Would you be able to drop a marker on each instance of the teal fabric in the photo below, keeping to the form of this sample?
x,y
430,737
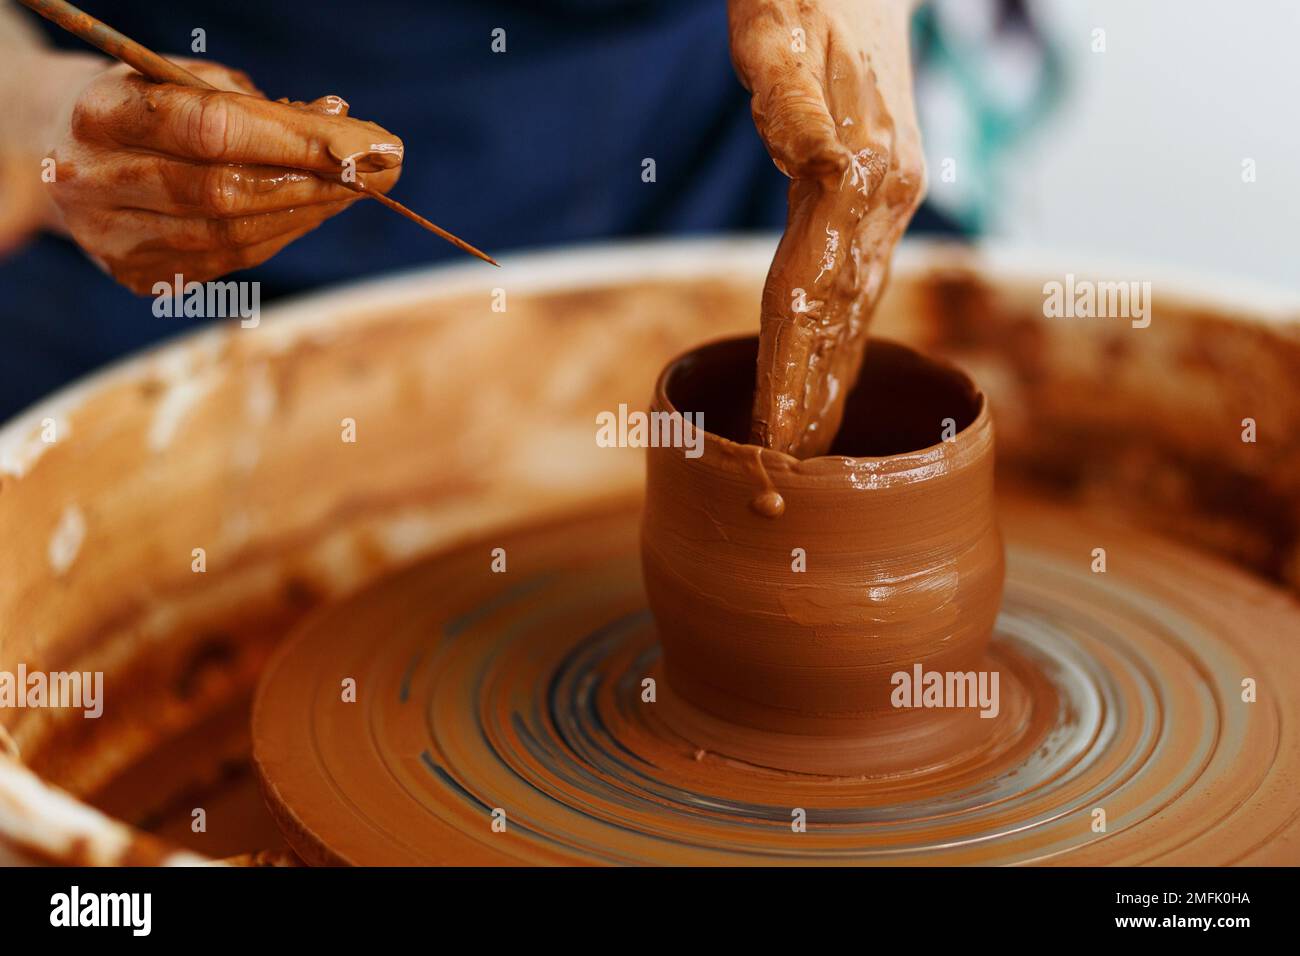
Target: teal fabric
x,y
997,125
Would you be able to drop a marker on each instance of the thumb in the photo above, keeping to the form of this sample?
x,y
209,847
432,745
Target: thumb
x,y
791,116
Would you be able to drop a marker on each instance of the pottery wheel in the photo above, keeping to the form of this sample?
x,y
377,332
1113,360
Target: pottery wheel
x,y
500,718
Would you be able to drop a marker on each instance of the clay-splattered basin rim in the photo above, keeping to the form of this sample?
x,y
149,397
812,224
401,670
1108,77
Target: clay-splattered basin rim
x,y
42,821
919,464
607,264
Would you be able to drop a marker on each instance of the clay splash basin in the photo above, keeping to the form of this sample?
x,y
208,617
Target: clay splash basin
x,y
229,441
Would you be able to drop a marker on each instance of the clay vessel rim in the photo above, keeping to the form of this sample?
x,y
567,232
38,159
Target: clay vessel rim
x,y
967,443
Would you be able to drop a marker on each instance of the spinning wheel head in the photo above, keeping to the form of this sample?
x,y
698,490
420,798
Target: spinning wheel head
x,y
508,718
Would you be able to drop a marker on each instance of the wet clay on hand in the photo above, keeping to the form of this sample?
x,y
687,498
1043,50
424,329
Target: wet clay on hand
x,y
155,180
832,100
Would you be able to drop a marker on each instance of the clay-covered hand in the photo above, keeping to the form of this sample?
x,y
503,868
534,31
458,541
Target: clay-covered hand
x,y
153,179
832,100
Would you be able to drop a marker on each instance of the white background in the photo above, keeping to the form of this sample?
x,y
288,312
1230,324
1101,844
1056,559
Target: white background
x,y
1142,161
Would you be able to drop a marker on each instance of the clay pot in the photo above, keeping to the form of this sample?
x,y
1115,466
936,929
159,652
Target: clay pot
x,y
886,554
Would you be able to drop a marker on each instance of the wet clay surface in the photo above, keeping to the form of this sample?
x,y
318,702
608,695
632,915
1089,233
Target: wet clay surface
x,y
206,769
157,180
790,620
524,693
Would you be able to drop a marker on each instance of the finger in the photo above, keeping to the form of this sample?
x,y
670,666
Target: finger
x,y
331,105
141,271
218,191
222,77
798,129
217,126
784,70
182,234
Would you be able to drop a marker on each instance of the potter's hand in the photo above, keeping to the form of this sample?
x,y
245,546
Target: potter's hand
x,y
832,100
155,179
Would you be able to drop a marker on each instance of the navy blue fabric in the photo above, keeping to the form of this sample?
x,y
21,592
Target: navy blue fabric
x,y
540,145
